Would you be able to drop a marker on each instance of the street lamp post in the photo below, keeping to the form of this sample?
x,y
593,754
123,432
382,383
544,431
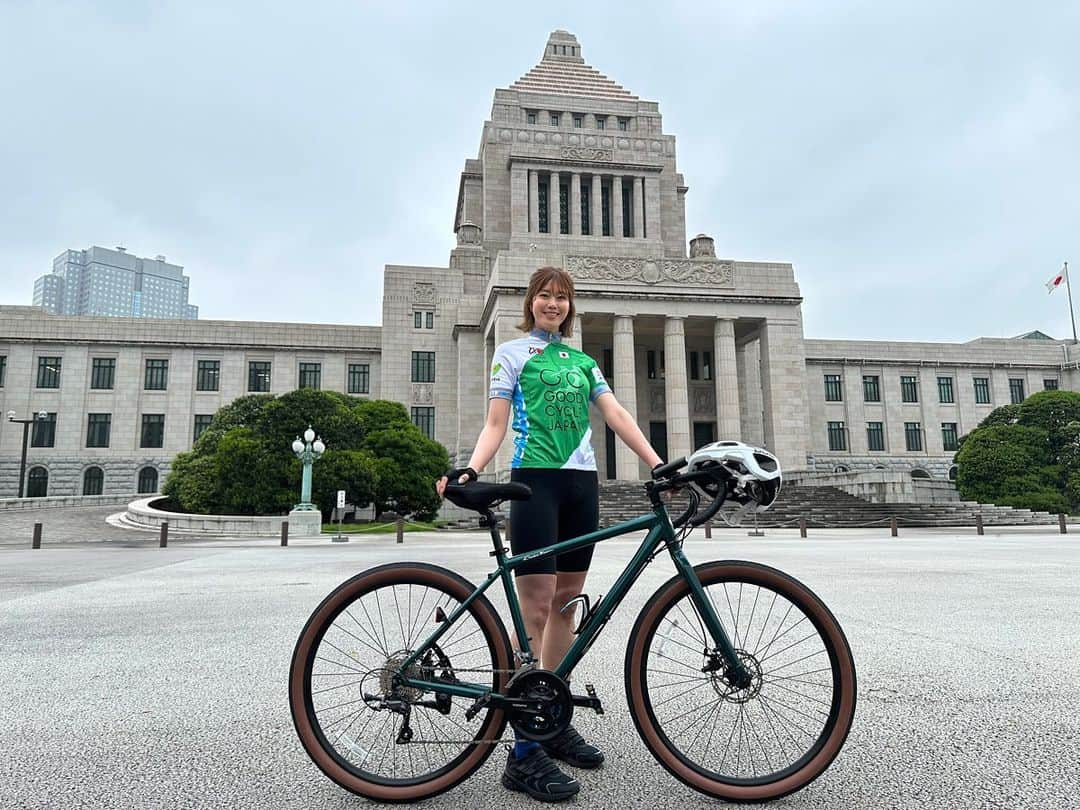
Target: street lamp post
x,y
26,423
308,451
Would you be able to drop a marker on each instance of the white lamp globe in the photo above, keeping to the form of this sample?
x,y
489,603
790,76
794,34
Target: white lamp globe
x,y
10,415
43,415
319,447
298,446
309,435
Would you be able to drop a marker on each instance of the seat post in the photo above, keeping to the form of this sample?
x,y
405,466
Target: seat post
x,y
496,537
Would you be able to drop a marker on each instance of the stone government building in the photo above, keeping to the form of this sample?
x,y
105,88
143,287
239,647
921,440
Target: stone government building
x,y
573,170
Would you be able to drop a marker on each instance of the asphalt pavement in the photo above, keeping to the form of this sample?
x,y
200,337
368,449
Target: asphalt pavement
x,y
141,677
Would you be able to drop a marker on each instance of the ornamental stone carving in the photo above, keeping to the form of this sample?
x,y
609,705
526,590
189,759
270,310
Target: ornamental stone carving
x,y
656,401
423,293
703,401
702,246
585,153
423,394
683,272
468,234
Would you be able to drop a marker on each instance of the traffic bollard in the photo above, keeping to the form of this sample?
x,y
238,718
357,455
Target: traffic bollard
x,y
802,527
892,525
284,532
401,530
1061,522
978,523
37,536
708,530
164,534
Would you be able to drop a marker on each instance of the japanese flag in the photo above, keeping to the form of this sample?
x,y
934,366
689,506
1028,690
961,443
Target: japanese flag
x,y
1053,283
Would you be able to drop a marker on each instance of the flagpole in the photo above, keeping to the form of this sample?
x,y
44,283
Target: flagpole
x,y
1068,289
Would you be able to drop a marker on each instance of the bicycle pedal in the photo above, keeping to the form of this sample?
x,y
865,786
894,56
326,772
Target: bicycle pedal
x,y
589,700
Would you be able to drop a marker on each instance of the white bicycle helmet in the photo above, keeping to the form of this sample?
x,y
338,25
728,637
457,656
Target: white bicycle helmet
x,y
756,472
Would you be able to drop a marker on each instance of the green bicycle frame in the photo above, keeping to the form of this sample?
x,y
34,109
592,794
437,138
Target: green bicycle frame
x,y
660,532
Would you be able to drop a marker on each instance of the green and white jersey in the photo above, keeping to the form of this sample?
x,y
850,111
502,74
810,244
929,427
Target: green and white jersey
x,y
550,385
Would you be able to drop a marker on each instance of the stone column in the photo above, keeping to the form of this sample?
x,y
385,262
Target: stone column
x,y
652,208
675,388
519,200
726,375
625,388
575,339
575,204
596,221
472,392
553,203
616,207
638,198
534,202
783,391
499,468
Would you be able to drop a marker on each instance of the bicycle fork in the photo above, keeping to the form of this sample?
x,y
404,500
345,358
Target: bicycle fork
x,y
723,656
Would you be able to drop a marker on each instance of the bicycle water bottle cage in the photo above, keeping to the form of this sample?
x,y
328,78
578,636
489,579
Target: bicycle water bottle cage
x,y
586,614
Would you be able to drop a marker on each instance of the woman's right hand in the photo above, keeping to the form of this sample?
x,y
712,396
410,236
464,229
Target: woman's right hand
x,y
463,476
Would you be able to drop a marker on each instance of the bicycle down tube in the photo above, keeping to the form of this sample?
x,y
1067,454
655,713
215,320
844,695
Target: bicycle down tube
x,y
659,532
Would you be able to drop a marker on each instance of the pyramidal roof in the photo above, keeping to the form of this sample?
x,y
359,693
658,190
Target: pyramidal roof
x,y
562,71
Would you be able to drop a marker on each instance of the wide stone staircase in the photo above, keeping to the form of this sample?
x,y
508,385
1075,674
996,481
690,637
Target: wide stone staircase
x,y
823,506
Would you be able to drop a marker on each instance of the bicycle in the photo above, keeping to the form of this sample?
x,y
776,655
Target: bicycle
x,y
403,679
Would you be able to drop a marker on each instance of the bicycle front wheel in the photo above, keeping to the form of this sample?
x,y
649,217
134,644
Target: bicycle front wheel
x,y
366,731
766,740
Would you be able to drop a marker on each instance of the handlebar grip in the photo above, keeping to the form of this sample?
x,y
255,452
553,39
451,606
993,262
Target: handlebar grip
x,y
666,470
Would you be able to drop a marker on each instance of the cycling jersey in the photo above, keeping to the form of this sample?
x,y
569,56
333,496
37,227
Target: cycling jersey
x,y
550,385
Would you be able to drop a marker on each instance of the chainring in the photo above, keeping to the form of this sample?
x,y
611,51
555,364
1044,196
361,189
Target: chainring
x,y
549,708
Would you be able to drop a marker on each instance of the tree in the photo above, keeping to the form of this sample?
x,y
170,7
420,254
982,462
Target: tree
x,y
243,463
1025,454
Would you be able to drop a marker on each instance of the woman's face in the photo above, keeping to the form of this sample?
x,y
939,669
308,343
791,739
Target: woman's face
x,y
550,307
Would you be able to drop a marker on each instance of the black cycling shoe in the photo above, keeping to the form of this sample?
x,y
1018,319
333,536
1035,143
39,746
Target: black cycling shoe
x,y
572,749
538,776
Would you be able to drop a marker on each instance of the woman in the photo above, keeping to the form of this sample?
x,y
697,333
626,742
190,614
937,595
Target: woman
x,y
550,385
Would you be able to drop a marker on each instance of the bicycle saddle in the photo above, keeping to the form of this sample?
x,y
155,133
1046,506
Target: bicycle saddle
x,y
480,496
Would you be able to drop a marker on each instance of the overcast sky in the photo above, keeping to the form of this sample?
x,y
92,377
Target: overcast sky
x,y
917,162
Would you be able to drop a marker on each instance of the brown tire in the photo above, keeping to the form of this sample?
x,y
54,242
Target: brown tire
x,y
787,726
345,656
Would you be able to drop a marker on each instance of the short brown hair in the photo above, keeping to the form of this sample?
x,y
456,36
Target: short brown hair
x,y
562,282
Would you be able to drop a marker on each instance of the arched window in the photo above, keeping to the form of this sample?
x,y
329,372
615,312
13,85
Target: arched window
x,y
147,480
38,485
880,467
952,472
841,468
93,481
918,472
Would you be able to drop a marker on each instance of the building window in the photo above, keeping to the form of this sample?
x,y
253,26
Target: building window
x,y
148,478
579,120
695,373
627,212
837,437
38,485
103,373
424,418
1048,385
605,209
553,119
93,481
833,392
586,208
417,320
706,370
3,368
945,390
209,375
310,375
44,433
982,390
359,374
423,366
530,117
98,426
1016,390
48,372
913,435
542,201
607,363
202,422
258,377
948,436
564,207
601,121
875,436
157,375
871,388
624,124
909,389
153,430
655,372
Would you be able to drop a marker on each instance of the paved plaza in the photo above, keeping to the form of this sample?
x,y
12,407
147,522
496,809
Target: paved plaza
x,y
143,677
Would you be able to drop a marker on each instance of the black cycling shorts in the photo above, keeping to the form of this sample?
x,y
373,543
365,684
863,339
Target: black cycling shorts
x,y
565,504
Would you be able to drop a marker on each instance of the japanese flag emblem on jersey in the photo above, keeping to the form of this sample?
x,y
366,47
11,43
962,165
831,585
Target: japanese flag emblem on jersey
x,y
564,355
597,375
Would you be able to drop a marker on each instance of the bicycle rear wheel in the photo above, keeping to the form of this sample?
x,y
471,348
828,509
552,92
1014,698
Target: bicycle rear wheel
x,y
341,683
757,743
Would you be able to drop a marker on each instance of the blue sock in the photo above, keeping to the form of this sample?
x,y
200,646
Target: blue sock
x,y
522,748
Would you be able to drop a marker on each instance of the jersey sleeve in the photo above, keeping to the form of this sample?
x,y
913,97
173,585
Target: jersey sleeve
x,y
597,384
504,374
